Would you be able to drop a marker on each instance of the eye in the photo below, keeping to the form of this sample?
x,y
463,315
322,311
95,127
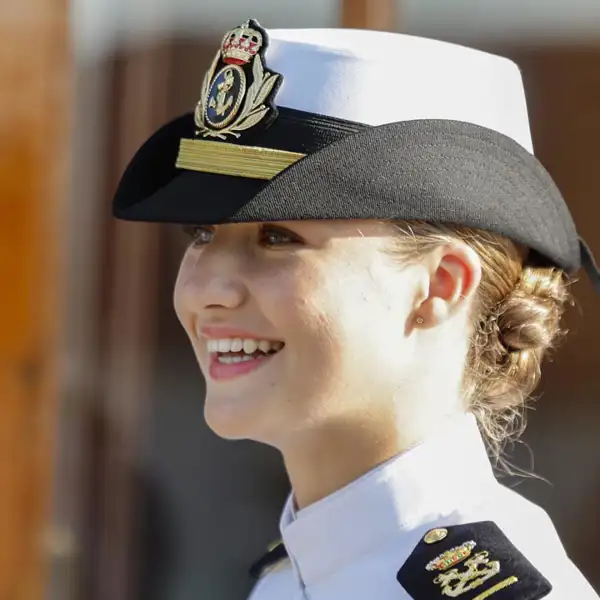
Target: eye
x,y
200,234
272,235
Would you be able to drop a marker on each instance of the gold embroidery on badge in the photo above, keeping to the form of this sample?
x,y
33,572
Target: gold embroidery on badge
x,y
451,557
477,571
224,103
467,573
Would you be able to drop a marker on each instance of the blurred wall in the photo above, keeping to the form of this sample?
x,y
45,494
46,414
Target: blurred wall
x,y
99,26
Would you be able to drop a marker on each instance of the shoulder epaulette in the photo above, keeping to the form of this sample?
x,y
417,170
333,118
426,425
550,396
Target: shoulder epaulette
x,y
473,561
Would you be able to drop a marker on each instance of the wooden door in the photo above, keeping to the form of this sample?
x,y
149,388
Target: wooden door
x,y
369,14
34,158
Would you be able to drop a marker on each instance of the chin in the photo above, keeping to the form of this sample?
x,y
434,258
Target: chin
x,y
232,419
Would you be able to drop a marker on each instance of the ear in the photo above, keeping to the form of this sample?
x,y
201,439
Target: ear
x,y
454,276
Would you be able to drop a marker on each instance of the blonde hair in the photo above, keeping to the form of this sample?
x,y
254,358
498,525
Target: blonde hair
x,y
516,320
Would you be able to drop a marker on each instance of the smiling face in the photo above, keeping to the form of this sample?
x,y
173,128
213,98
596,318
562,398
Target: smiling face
x,y
296,326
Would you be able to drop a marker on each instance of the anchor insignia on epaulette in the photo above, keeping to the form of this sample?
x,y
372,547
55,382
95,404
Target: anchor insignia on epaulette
x,y
475,570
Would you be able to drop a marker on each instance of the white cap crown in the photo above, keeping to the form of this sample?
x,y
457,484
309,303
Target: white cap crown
x,y
375,78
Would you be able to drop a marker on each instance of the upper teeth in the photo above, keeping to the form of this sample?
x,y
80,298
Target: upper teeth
x,y
248,346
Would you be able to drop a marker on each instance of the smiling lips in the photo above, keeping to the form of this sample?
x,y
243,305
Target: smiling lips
x,y
234,356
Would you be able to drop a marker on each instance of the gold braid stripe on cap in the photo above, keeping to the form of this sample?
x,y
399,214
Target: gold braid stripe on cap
x,y
230,159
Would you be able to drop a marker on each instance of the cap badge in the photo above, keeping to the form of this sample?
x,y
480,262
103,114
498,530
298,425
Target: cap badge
x,y
238,90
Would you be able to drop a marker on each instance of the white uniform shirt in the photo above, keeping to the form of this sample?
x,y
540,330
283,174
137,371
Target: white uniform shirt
x,y
352,544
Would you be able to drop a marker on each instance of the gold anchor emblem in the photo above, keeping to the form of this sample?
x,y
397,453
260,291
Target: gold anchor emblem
x,y
223,101
475,571
479,569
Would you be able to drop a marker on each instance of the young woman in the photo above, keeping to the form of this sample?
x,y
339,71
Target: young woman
x,y
377,267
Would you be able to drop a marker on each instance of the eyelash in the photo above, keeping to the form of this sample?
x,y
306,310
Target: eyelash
x,y
195,232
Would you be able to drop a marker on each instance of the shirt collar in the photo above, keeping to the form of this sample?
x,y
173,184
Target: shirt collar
x,y
416,487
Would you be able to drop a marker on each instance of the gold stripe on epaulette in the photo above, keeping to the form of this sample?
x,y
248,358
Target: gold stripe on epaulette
x,y
496,588
223,158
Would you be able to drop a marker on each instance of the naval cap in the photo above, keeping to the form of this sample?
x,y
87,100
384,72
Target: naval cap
x,y
350,124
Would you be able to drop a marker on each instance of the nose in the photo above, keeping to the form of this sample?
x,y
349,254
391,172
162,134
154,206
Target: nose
x,y
210,286
213,293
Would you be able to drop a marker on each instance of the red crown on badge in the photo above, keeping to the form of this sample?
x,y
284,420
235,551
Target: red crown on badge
x,y
450,557
241,44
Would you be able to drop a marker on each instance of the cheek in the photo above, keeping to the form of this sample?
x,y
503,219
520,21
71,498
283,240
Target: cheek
x,y
289,294
179,291
295,298
370,309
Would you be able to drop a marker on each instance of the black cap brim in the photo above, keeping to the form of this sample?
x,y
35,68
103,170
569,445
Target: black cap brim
x,y
430,170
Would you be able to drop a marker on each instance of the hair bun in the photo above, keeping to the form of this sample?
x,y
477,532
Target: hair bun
x,y
523,327
529,318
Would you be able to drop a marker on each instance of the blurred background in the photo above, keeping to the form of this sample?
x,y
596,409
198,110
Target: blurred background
x,y
111,486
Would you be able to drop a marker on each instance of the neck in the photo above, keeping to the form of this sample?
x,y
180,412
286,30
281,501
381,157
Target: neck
x,y
330,458
326,458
